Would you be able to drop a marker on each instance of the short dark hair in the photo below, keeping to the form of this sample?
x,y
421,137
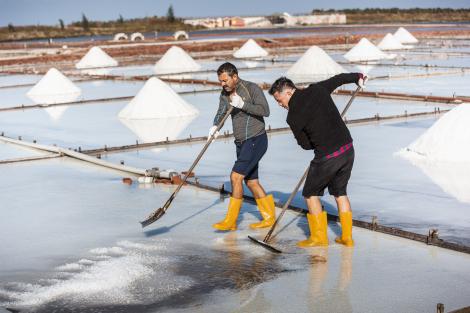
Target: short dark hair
x,y
228,68
280,84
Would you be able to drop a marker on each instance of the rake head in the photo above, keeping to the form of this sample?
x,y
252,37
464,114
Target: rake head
x,y
265,245
153,217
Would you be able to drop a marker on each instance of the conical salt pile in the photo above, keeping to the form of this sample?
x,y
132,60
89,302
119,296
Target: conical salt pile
x,y
94,58
176,60
389,42
447,140
54,87
157,100
364,50
314,65
405,36
250,49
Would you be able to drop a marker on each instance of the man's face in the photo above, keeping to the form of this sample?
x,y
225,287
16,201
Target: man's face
x,y
228,82
283,97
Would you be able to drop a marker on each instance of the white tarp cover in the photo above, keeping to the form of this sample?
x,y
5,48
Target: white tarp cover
x,y
176,60
365,50
250,49
96,57
156,99
314,65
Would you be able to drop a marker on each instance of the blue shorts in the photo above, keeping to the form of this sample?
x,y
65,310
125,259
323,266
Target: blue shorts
x,y
249,153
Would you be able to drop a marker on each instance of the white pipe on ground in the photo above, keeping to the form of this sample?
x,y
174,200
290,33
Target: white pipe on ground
x,y
75,155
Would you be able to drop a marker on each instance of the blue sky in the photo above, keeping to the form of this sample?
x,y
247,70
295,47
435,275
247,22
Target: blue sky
x,y
30,12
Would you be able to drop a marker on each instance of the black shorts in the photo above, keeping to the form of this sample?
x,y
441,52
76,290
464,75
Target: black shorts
x,y
333,173
249,153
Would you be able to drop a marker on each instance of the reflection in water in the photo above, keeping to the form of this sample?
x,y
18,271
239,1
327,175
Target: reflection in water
x,y
55,112
159,129
365,68
337,299
251,63
452,178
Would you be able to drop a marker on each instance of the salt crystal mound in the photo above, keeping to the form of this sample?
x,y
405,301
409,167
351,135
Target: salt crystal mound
x,y
174,61
389,42
54,87
156,99
95,58
250,49
405,36
365,50
447,140
314,65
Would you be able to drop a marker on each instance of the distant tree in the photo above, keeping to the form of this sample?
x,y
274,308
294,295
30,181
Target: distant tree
x,y
170,15
120,19
85,23
61,23
11,28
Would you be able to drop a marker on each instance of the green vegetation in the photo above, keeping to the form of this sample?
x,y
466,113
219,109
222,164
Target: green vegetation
x,y
396,15
170,15
89,27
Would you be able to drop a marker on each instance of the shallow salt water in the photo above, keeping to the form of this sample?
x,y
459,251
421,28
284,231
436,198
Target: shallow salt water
x,y
72,242
96,124
95,257
382,184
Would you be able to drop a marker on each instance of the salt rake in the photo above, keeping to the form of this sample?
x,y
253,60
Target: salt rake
x,y
265,242
160,211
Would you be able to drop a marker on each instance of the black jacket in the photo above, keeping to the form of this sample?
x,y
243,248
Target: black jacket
x,y
314,118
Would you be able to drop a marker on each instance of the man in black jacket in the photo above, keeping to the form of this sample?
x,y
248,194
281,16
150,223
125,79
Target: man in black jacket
x,y
317,125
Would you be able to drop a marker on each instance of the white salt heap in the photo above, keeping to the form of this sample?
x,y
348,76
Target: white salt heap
x,y
156,100
96,58
448,140
442,153
314,65
54,87
176,60
389,42
250,49
365,50
404,36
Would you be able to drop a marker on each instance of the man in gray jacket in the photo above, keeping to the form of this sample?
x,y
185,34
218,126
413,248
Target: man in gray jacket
x,y
249,108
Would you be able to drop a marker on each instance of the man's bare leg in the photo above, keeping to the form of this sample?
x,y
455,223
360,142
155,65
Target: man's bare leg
x,y
314,205
343,204
237,185
255,188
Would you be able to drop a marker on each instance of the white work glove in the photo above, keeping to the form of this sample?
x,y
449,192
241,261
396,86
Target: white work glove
x,y
362,80
236,101
212,131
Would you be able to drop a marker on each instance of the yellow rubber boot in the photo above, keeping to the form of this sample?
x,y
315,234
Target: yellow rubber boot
x,y
268,212
345,218
230,221
317,224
